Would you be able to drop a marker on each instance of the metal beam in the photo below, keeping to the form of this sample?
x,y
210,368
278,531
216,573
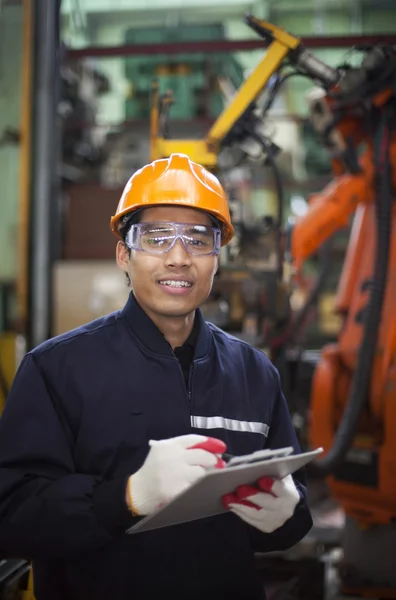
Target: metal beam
x,y
342,41
106,7
44,155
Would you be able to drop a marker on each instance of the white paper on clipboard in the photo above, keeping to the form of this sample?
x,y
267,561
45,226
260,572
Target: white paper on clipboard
x,y
203,499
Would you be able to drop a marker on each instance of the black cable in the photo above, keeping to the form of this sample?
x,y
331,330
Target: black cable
x,y
360,384
367,89
272,93
279,81
268,149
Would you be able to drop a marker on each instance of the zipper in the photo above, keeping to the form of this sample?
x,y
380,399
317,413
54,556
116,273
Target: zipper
x,y
188,387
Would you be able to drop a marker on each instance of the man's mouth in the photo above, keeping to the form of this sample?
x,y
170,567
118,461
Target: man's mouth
x,y
175,283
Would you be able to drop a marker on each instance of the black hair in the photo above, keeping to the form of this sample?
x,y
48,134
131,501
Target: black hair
x,y
126,223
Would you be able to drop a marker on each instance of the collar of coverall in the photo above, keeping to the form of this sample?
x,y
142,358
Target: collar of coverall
x,y
152,338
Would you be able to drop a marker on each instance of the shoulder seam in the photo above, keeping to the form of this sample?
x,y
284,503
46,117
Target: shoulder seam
x,y
75,335
232,338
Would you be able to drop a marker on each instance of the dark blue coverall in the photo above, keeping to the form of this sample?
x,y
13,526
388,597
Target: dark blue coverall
x,y
77,423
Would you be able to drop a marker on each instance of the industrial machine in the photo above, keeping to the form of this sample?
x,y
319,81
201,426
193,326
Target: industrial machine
x,y
238,133
353,395
353,398
191,77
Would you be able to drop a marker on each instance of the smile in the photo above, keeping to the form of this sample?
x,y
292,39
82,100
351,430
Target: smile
x,y
176,284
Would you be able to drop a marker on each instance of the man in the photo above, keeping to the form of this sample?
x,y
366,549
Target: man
x,y
108,422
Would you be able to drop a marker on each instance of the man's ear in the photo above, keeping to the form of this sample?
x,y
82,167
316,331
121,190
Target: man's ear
x,y
217,265
122,256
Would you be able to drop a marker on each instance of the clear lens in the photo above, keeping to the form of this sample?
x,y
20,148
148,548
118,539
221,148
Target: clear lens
x,y
156,238
199,239
160,237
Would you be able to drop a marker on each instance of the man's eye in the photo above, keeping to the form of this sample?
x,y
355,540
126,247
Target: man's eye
x,y
157,241
197,241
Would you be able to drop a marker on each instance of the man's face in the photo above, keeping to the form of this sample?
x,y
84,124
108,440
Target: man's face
x,y
148,272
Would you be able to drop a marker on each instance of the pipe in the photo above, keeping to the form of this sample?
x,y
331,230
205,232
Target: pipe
x,y
210,46
25,169
44,165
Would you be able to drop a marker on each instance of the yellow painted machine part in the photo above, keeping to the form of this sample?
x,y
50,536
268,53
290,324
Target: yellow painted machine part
x,y
25,169
7,362
249,91
8,339
285,38
28,593
196,149
205,151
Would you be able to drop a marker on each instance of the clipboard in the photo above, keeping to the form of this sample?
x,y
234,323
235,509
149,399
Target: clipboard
x,y
203,499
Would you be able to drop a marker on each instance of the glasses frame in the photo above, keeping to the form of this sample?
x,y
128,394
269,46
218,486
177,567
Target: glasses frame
x,y
179,235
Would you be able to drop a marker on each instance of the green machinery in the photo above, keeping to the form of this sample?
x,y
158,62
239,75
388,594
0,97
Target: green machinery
x,y
191,77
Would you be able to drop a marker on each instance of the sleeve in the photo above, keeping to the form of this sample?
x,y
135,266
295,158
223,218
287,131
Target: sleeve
x,y
281,435
47,509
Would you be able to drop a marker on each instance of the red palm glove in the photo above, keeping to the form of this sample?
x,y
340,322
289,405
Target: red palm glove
x,y
266,507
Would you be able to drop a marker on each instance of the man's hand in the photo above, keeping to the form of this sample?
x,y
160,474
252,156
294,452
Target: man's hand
x,y
266,507
170,468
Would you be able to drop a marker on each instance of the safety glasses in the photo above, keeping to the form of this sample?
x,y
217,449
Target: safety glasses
x,y
159,238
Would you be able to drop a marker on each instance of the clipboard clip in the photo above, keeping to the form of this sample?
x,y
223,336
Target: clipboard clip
x,y
247,459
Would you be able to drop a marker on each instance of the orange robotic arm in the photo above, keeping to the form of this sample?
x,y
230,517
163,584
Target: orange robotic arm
x,y
331,209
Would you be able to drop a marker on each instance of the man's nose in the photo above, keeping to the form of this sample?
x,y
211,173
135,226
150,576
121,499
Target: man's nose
x,y
178,255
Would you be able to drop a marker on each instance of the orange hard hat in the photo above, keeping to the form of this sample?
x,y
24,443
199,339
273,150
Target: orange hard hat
x,y
174,181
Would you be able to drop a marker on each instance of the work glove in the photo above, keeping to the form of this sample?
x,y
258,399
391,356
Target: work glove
x,y
171,466
267,506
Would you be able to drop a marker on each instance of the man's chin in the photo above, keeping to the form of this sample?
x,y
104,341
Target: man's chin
x,y
176,313
177,307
